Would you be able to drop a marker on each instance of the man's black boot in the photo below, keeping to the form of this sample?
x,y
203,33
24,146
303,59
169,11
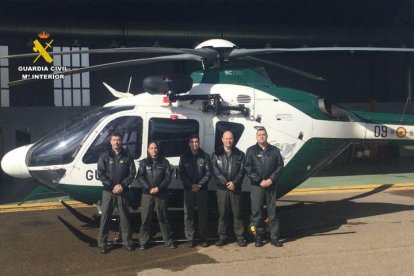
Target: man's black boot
x,y
258,242
276,243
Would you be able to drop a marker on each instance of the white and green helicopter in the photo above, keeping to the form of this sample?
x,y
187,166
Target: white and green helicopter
x,y
224,95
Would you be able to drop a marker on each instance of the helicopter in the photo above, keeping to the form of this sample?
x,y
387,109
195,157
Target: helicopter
x,y
226,94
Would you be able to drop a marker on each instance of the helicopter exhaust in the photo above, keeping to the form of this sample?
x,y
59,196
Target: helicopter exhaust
x,y
175,84
333,110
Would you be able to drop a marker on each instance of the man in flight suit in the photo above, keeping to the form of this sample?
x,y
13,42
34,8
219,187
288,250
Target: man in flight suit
x,y
195,172
116,170
154,175
264,165
228,172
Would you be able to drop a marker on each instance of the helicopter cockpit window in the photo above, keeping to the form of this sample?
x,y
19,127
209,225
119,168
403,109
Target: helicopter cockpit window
x,y
62,145
130,127
172,135
221,127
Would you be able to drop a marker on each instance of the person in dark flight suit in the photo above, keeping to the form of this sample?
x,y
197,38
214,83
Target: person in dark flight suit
x,y
195,172
228,173
116,170
154,175
263,166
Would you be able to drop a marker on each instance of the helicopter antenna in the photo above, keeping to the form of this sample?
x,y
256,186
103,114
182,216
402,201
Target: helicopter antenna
x,y
408,92
129,85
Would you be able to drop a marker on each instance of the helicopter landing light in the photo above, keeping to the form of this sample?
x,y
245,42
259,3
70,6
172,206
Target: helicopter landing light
x,y
165,100
174,117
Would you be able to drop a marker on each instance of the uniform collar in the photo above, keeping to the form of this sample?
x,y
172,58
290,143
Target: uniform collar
x,y
121,151
262,149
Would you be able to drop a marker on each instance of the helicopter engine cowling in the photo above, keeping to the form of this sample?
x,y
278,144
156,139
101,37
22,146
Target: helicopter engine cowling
x,y
175,84
333,110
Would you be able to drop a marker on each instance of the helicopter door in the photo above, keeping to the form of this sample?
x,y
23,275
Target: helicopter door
x,y
171,132
130,127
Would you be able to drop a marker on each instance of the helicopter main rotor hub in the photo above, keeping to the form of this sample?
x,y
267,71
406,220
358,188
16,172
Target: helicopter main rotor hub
x,y
216,43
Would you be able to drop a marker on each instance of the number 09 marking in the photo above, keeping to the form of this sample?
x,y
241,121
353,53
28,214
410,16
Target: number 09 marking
x,y
380,131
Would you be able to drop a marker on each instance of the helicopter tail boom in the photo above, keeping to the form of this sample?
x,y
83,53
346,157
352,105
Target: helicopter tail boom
x,y
387,126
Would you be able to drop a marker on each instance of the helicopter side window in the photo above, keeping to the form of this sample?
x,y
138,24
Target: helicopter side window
x,y
172,135
221,127
130,128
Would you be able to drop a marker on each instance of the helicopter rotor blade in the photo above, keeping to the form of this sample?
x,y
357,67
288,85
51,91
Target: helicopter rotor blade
x,y
236,53
123,63
284,67
137,50
187,57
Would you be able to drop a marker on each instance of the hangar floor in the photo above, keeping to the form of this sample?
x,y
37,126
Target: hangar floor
x,y
341,233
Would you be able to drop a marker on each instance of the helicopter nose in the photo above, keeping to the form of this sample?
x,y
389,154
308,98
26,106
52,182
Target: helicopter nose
x,y
14,162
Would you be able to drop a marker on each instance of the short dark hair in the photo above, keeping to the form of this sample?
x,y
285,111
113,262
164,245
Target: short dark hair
x,y
116,134
261,129
193,136
153,142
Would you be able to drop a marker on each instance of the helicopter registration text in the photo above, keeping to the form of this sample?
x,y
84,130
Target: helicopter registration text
x,y
380,131
391,131
90,175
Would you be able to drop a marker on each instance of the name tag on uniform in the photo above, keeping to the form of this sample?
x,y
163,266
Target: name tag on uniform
x,y
111,162
259,155
121,161
148,167
219,161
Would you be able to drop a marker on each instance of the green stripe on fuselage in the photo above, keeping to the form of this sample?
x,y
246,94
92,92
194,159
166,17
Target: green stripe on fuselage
x,y
83,193
313,156
385,118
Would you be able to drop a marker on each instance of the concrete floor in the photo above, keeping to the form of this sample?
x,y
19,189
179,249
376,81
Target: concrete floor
x,y
359,233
